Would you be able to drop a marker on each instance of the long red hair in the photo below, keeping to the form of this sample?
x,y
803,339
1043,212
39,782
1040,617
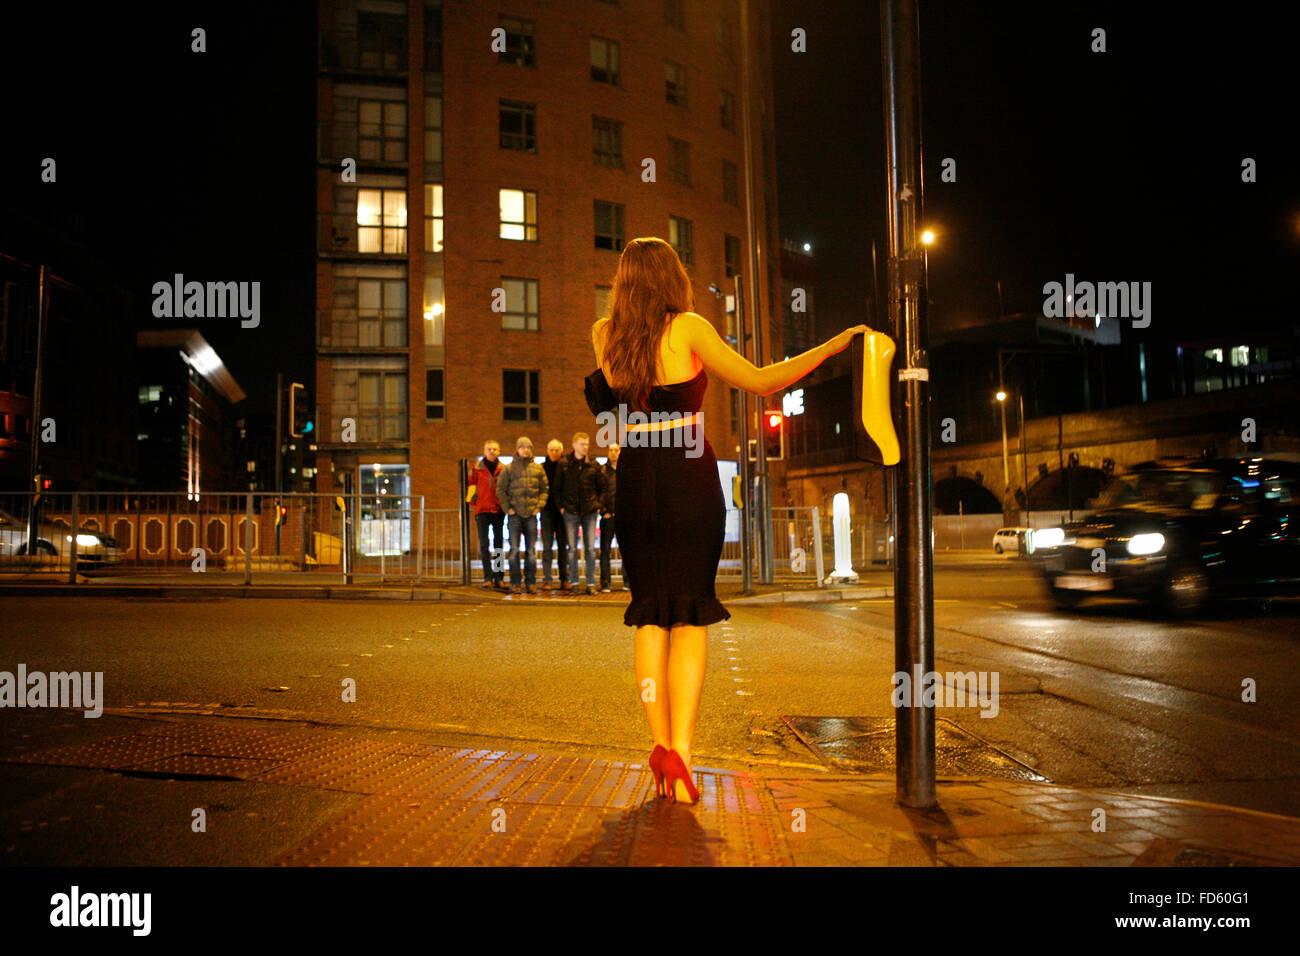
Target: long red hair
x,y
650,287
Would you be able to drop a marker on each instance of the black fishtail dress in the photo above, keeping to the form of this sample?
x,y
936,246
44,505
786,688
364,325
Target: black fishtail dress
x,y
671,514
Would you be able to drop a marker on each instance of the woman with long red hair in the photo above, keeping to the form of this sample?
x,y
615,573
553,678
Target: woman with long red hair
x,y
652,352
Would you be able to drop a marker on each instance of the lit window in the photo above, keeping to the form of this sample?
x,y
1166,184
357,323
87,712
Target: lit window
x,y
433,217
381,221
518,214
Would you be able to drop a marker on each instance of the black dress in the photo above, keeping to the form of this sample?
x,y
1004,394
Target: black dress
x,y
670,512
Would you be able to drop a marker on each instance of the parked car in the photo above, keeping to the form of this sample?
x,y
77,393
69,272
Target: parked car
x,y
94,548
1016,540
1180,531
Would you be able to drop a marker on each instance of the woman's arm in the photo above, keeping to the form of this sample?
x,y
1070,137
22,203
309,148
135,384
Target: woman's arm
x,y
734,368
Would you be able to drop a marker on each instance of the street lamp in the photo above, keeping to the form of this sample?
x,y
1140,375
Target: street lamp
x,y
1006,470
1001,396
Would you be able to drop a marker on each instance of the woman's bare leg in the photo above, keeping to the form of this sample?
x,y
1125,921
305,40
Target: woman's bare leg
x,y
687,654
651,664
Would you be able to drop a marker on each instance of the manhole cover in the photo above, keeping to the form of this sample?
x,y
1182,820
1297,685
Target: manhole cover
x,y
866,745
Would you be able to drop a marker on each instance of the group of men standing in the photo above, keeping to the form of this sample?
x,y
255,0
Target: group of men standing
x,y
569,493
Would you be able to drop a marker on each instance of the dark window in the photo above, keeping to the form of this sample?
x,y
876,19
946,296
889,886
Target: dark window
x,y
381,130
521,393
604,60
607,142
679,161
519,126
680,238
730,183
731,255
609,225
675,80
381,42
727,38
435,405
728,111
520,42
433,39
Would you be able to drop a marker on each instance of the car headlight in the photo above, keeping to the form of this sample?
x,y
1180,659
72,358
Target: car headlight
x,y
1048,537
87,540
1146,543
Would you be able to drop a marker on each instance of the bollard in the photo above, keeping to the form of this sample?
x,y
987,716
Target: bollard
x,y
843,573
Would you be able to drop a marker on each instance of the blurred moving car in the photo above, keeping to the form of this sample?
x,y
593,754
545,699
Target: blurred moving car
x,y
1016,540
94,548
1180,531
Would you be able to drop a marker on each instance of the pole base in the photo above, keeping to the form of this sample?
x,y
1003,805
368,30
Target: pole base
x,y
850,578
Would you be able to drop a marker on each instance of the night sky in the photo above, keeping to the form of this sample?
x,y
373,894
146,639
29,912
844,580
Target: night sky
x,y
1122,166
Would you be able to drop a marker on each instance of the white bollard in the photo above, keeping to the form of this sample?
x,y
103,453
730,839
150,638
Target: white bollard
x,y
843,573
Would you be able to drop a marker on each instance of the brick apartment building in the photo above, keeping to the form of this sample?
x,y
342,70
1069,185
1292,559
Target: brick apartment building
x,y
502,147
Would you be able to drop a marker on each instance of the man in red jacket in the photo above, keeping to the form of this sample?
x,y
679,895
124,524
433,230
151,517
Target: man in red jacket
x,y
488,515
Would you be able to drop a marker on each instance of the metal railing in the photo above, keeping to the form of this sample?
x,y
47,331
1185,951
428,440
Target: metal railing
x,y
241,537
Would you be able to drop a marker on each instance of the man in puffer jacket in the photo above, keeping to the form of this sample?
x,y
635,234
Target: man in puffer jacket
x,y
579,485
522,489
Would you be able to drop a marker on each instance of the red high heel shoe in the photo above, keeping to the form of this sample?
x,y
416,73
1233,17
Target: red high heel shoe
x,y
657,768
675,769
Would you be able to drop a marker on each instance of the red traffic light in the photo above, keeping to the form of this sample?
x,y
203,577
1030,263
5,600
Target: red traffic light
x,y
773,419
46,483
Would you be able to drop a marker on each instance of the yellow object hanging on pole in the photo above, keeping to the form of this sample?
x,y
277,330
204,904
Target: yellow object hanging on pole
x,y
877,419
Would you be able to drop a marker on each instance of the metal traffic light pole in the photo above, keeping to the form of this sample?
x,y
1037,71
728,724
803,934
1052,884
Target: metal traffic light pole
x,y
914,570
746,499
34,429
763,503
279,464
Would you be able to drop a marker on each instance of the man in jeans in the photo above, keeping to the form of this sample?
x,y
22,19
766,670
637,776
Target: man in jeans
x,y
489,516
523,490
579,485
553,521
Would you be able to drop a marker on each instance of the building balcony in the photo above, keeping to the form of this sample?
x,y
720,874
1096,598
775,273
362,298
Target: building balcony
x,y
344,331
338,141
339,234
344,53
375,425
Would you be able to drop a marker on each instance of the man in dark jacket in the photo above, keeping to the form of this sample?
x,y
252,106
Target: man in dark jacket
x,y
610,471
523,490
488,515
553,521
579,485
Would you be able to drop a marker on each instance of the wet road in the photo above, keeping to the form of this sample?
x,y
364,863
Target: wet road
x,y
1107,696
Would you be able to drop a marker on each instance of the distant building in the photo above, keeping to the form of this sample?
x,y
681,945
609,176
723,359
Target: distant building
x,y
186,397
87,430
798,285
461,268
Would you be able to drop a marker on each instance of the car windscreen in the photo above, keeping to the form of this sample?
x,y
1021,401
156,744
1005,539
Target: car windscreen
x,y
1190,490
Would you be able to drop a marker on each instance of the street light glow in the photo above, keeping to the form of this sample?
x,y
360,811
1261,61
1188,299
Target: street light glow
x,y
1002,396
927,237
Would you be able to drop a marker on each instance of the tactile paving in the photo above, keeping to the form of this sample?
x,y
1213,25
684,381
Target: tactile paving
x,y
431,806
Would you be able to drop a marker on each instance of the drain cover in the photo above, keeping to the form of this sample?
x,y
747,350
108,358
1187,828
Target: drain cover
x,y
866,745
